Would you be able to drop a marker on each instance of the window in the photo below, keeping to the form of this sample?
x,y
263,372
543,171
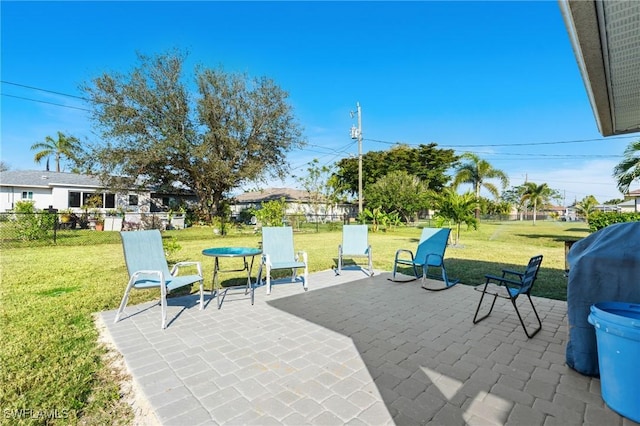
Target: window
x,y
74,199
85,198
133,200
109,201
27,195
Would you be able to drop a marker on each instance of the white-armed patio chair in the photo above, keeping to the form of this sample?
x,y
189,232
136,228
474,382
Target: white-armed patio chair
x,y
278,253
355,243
147,266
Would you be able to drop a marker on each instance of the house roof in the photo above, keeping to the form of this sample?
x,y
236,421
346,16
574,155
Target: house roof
x,y
270,194
606,41
635,193
44,179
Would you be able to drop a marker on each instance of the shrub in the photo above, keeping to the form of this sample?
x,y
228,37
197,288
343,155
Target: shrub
x,y
599,220
271,212
30,224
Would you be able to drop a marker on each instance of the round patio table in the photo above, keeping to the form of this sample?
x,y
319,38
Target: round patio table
x,y
232,252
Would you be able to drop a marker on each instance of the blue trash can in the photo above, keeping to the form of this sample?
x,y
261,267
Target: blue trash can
x,y
617,327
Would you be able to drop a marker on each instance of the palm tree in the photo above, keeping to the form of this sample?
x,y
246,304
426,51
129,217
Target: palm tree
x,y
628,169
457,208
587,206
64,146
476,171
536,195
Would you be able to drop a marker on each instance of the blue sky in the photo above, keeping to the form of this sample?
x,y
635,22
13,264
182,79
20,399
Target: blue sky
x,y
495,78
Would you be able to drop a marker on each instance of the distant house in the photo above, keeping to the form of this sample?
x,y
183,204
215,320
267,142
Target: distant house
x,y
632,204
63,191
297,202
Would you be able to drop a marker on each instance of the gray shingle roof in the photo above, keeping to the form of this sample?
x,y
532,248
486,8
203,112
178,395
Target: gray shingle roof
x,y
39,178
269,194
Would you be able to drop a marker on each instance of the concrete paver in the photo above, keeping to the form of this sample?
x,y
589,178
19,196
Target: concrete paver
x,y
353,350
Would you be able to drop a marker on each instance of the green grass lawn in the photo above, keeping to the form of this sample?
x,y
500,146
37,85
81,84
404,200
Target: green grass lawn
x,y
50,358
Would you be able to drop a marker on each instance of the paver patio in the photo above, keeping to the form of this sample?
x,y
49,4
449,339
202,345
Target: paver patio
x,y
353,350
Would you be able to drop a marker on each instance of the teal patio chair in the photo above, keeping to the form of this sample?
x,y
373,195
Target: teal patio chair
x,y
429,254
355,243
278,253
147,266
509,286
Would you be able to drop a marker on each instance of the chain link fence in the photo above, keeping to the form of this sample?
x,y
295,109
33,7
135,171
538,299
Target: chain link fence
x,y
19,229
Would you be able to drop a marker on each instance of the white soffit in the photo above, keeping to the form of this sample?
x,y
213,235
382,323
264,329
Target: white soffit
x,y
606,40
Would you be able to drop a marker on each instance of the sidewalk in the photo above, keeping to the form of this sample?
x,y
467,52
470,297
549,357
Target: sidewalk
x,y
353,350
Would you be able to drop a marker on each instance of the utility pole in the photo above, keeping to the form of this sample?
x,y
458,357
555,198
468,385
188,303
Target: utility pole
x,y
356,133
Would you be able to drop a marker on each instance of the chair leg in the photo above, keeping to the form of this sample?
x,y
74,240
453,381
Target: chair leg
x,y
529,335
475,317
415,270
305,277
339,260
201,294
163,303
123,303
268,278
370,265
445,278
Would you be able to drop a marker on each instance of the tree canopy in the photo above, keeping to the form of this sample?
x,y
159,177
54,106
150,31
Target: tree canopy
x,y
477,172
537,196
400,192
426,162
210,136
628,170
457,208
587,206
63,148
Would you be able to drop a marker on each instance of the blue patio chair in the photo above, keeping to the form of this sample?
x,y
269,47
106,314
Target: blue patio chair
x,y
355,243
509,286
278,253
147,266
429,254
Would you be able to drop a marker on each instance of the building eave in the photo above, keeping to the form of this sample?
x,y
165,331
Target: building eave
x,y
604,36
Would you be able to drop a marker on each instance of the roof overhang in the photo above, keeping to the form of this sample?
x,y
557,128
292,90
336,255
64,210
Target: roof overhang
x,y
606,40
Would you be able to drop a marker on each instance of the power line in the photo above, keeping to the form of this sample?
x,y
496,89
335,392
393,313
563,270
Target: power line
x,y
44,90
45,102
504,144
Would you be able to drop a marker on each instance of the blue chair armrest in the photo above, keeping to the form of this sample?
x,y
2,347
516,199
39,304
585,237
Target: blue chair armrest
x,y
503,280
406,261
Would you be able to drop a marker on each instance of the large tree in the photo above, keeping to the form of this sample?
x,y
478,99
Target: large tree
x,y
477,172
426,162
64,147
628,169
221,132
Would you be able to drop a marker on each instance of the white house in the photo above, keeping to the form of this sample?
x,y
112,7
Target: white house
x,y
297,202
63,191
632,204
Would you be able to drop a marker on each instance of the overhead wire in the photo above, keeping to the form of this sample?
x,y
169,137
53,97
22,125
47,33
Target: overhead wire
x,y
456,147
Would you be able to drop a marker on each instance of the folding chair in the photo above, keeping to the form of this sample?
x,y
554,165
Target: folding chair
x,y
147,266
429,254
511,288
355,243
278,253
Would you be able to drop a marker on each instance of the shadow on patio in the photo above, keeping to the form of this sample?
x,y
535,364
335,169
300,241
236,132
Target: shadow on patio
x,y
431,364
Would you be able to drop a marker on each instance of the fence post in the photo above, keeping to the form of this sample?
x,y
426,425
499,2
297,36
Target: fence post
x,y
51,210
